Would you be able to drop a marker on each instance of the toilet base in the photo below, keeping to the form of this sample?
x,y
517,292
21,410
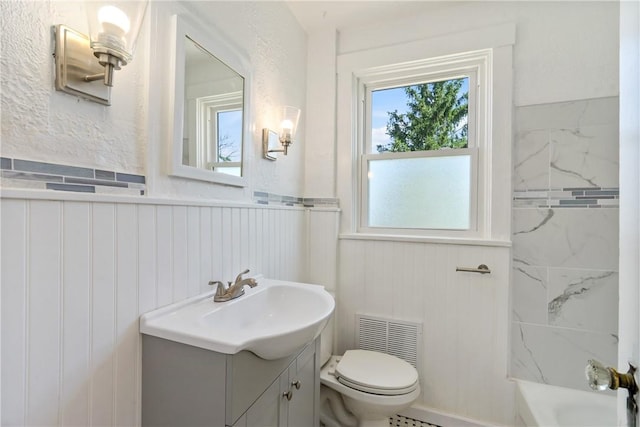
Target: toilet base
x,y
353,407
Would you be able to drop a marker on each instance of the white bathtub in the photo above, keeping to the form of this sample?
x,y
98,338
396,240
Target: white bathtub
x,y
550,406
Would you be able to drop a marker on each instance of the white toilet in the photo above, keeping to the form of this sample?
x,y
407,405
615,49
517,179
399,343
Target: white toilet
x,y
363,388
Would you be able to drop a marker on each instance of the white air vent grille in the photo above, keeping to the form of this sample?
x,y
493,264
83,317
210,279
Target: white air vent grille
x,y
396,337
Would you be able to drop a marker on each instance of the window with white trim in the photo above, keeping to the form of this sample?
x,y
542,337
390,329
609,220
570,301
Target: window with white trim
x,y
422,143
219,124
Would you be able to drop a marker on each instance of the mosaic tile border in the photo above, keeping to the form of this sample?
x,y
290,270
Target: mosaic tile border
x,y
60,177
264,198
575,197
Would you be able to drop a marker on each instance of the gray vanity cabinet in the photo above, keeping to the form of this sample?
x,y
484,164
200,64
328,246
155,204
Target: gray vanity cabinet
x,y
185,385
290,400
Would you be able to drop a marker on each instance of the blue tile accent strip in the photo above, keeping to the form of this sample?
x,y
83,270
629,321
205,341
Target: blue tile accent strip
x,y
69,187
126,177
71,178
100,174
96,182
52,169
588,197
30,176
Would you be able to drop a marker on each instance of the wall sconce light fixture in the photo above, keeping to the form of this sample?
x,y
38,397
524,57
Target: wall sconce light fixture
x,y
289,118
85,64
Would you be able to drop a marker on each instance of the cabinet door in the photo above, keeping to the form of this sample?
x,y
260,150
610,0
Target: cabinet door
x,y
302,380
264,412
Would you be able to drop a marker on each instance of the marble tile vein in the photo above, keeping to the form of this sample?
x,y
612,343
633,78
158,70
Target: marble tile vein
x,y
546,219
533,358
575,174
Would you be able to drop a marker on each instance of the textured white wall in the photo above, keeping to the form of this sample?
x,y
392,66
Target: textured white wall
x,y
39,123
131,136
275,46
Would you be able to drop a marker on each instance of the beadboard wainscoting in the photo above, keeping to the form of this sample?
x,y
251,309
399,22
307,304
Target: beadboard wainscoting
x,y
465,317
77,274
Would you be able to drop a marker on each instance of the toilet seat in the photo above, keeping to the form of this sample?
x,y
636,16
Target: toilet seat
x,y
376,373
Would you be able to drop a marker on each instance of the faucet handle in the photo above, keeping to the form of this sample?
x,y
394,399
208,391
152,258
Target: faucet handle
x,y
221,289
239,276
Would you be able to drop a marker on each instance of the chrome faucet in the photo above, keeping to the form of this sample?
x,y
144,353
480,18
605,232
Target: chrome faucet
x,y
232,291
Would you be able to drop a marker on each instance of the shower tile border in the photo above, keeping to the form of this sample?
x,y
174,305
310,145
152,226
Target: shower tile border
x,y
64,177
570,197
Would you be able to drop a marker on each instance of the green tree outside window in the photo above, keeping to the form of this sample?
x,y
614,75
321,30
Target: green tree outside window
x,y
436,118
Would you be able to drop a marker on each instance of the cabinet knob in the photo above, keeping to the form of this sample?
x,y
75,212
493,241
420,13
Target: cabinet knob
x,y
287,394
296,384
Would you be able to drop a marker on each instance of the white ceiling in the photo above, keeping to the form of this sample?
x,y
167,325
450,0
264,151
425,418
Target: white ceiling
x,y
314,15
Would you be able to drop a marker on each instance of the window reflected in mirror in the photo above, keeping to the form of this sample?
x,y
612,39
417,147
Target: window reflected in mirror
x,y
213,113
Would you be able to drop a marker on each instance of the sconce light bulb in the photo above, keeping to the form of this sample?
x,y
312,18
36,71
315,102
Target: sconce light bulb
x,y
287,125
114,21
287,129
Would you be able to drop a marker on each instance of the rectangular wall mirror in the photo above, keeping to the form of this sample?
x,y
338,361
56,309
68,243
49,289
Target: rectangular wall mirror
x,y
210,108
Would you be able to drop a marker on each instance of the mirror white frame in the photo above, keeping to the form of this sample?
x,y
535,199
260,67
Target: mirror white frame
x,y
217,45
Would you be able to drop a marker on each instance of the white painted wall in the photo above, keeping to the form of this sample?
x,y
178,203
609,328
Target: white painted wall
x,y
132,135
320,145
563,50
629,320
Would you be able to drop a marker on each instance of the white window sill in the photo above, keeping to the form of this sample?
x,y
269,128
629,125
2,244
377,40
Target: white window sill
x,y
426,239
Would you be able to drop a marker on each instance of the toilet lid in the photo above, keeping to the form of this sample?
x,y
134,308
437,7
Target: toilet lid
x,y
378,373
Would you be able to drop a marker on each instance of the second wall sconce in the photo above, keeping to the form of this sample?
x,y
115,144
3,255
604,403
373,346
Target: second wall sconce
x,y
289,118
85,64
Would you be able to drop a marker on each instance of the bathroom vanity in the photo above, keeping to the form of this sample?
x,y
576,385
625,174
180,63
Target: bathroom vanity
x,y
186,385
251,361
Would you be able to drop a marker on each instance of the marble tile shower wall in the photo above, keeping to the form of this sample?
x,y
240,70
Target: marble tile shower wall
x,y
565,240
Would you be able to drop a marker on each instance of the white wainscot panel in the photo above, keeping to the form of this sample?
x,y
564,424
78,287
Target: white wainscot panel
x,y
465,317
103,312
76,276
44,316
76,301
13,280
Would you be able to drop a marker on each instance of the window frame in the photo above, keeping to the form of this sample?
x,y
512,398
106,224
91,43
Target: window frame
x,y
474,65
207,110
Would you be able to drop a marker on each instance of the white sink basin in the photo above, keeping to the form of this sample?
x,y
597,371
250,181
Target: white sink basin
x,y
272,320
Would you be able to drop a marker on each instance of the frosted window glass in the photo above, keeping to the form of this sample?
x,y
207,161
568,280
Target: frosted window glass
x,y
427,192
